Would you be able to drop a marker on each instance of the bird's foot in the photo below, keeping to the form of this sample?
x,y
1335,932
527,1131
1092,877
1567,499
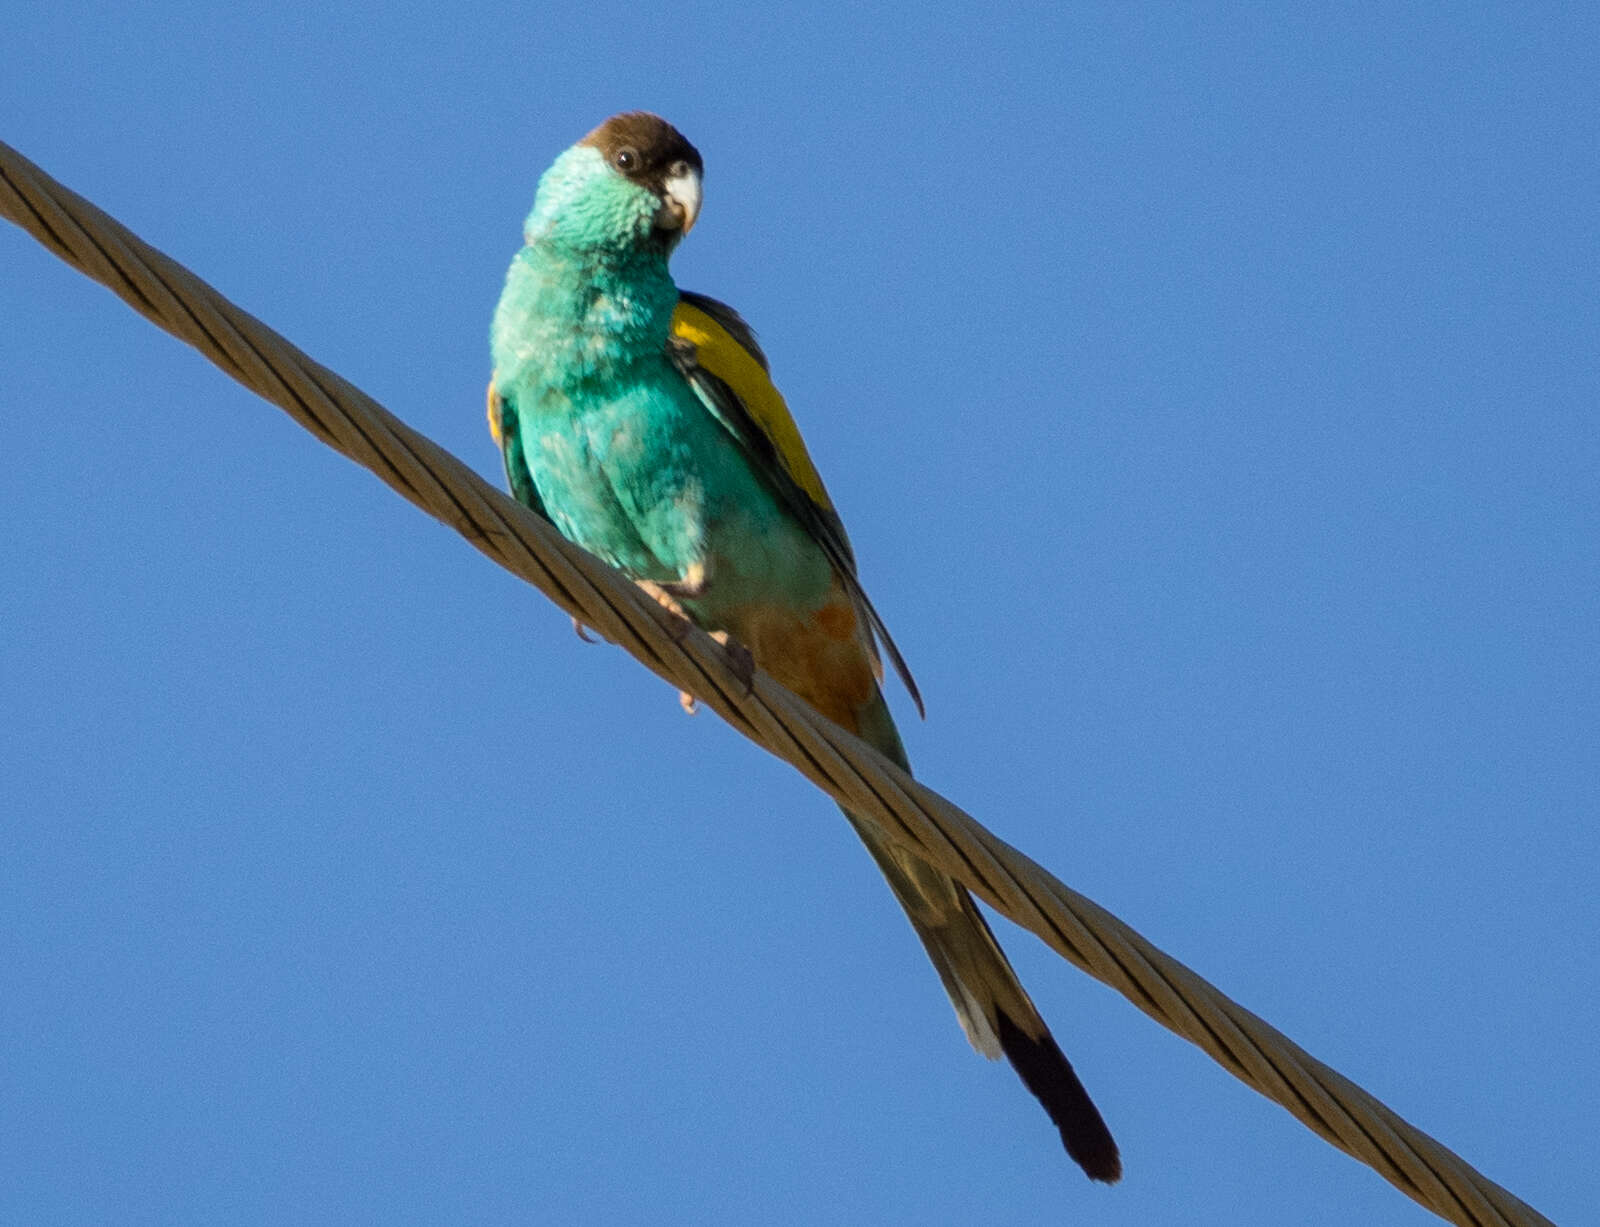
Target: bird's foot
x,y
664,595
582,631
667,594
740,660
692,586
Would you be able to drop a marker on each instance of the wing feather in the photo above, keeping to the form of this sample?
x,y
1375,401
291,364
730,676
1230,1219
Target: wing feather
x,y
503,426
716,352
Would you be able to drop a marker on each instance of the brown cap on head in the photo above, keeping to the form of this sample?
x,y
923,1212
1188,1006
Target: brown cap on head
x,y
645,148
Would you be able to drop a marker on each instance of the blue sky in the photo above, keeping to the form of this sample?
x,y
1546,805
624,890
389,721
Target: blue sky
x,y
1211,395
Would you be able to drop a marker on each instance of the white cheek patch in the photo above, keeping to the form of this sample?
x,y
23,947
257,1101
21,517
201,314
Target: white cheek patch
x,y
684,189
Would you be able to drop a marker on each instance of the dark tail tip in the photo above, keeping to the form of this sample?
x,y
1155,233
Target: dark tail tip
x,y
1045,1071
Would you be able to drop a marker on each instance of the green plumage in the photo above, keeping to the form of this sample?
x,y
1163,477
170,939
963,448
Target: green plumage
x,y
624,457
693,480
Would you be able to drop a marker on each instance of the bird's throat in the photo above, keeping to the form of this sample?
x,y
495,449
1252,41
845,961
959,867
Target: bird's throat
x,y
570,317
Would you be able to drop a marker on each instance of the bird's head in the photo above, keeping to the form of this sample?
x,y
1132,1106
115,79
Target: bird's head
x,y
634,181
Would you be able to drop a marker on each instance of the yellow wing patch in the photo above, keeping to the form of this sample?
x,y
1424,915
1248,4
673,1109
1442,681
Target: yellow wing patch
x,y
718,352
494,416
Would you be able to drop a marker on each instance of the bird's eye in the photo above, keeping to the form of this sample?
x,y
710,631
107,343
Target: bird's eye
x,y
627,158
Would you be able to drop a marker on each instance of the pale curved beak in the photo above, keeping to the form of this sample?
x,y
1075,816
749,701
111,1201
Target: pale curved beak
x,y
680,199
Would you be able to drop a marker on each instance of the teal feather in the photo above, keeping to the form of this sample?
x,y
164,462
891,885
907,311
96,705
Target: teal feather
x,y
655,466
625,459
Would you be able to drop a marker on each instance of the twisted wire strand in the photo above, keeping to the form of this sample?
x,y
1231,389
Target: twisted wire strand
x,y
853,773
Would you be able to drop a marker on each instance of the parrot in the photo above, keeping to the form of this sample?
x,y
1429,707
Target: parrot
x,y
643,423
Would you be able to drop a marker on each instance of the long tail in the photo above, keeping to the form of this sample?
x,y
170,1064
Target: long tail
x,y
993,1007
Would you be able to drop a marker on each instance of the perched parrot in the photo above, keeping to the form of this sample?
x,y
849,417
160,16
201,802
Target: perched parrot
x,y
641,421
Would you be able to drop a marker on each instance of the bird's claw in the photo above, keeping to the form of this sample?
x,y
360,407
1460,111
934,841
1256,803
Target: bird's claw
x,y
694,583
582,631
669,594
740,661
663,596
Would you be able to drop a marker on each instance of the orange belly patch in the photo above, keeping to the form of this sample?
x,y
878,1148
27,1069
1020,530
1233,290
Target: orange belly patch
x,y
820,656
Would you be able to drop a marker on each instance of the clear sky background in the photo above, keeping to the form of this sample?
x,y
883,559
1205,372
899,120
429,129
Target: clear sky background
x,y
1211,393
